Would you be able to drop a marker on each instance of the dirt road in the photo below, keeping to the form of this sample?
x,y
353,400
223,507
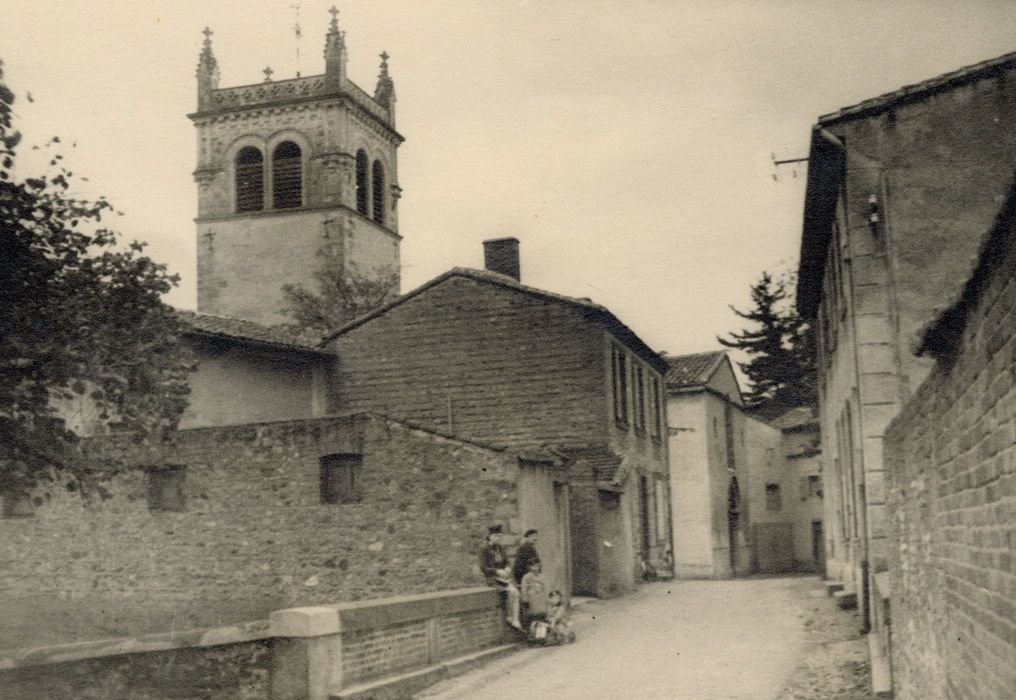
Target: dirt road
x,y
700,640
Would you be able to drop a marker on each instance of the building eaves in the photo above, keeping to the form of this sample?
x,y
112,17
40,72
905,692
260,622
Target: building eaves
x,y
246,332
921,90
594,312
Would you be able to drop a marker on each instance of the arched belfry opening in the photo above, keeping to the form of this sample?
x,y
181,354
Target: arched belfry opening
x,y
250,176
287,176
361,182
378,191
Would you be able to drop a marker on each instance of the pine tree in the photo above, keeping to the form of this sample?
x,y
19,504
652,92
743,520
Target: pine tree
x,y
780,347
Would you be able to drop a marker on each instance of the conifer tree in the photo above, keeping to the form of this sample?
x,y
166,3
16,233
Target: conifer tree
x,y
780,347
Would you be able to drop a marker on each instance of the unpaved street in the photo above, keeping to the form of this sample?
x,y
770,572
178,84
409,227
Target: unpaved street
x,y
700,640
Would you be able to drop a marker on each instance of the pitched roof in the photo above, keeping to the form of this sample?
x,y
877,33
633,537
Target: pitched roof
x,y
686,371
241,330
921,90
595,312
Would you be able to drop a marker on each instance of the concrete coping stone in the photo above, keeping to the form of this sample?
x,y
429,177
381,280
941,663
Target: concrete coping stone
x,y
163,641
312,621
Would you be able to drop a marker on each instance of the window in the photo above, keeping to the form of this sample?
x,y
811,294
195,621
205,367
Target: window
x,y
250,184
165,489
340,478
773,499
361,182
656,426
377,184
17,505
619,381
728,424
639,380
815,486
287,176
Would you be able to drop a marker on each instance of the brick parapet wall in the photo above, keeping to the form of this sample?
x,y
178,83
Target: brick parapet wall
x,y
255,530
951,458
368,639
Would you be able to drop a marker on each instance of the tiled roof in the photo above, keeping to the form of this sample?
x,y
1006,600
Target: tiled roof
x,y
246,331
603,463
908,93
692,370
599,313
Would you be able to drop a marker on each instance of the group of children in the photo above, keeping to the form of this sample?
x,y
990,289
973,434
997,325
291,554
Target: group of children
x,y
530,607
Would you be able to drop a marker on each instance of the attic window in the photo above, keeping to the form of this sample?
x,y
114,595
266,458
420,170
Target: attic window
x,y
250,195
165,489
340,478
287,176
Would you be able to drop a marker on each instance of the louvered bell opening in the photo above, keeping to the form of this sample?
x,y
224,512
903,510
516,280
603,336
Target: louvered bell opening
x,y
250,194
361,182
377,189
287,176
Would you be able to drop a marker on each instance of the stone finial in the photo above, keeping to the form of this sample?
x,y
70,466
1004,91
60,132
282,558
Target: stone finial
x,y
268,74
384,92
335,52
208,71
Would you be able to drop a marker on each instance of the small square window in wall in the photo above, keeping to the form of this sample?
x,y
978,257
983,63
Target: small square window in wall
x,y
340,478
165,488
773,499
18,505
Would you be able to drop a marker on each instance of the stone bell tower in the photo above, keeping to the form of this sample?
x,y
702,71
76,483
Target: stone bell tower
x,y
292,175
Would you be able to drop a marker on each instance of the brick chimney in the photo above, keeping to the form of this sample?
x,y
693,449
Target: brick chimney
x,y
501,255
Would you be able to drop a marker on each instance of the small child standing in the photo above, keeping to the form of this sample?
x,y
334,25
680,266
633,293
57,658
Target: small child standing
x,y
560,631
534,602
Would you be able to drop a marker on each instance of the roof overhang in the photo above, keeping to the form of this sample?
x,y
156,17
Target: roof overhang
x,y
826,168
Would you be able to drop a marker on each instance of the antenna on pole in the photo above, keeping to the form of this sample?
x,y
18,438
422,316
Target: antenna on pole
x,y
785,161
299,35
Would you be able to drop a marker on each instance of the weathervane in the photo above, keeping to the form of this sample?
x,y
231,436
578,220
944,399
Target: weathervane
x,y
299,35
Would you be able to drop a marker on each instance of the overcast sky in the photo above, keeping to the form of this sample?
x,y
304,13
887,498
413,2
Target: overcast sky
x,y
627,144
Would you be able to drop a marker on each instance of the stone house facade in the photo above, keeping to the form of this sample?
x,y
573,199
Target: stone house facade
x,y
292,174
735,480
951,491
479,354
896,185
227,523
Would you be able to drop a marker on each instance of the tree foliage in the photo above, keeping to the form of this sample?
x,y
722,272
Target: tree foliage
x,y
81,323
343,293
780,346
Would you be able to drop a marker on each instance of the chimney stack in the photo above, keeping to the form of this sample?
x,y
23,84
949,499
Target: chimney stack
x,y
501,255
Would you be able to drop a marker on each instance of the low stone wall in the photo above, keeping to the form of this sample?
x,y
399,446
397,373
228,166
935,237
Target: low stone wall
x,y
298,653
253,534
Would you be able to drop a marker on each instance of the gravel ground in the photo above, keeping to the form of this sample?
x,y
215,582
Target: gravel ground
x,y
835,665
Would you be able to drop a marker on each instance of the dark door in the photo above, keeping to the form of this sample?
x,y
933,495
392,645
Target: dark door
x,y
818,545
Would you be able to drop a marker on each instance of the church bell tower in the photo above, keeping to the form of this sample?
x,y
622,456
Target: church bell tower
x,y
292,175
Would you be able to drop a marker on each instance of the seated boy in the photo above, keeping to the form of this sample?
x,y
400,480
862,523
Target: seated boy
x,y
560,631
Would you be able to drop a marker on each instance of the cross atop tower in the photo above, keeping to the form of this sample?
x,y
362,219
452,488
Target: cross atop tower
x,y
334,12
268,74
208,34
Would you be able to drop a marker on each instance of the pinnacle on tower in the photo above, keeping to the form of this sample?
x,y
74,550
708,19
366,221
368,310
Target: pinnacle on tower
x,y
384,92
208,71
335,52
